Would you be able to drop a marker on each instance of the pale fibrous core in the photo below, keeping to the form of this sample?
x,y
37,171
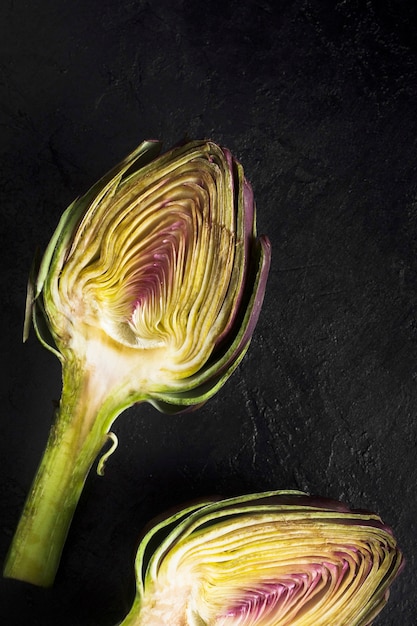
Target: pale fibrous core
x,y
269,559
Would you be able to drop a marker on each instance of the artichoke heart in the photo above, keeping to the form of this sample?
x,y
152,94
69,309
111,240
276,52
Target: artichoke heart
x,y
279,558
159,265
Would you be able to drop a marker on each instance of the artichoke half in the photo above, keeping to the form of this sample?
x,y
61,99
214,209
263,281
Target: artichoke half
x,y
149,290
280,558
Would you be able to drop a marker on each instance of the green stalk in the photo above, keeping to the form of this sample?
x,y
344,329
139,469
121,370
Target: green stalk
x,y
76,438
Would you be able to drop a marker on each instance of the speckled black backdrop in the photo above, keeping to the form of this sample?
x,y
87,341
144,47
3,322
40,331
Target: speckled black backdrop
x,y
318,101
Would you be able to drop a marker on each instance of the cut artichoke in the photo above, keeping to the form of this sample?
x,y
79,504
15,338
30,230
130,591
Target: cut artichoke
x,y
149,290
280,558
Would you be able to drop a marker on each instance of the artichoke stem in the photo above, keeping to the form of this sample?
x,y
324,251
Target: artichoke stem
x,y
76,438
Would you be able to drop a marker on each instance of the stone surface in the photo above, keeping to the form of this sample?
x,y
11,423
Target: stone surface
x,y
318,101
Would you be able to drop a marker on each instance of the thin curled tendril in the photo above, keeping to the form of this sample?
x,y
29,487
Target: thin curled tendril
x,y
103,459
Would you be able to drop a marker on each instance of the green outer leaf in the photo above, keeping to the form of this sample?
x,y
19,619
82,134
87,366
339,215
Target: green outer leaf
x,y
30,297
42,329
35,312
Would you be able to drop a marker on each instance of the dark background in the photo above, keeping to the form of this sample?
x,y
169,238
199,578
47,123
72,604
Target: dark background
x,y
318,101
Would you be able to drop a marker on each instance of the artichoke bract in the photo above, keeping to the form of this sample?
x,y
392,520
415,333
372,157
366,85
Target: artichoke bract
x,y
280,558
149,290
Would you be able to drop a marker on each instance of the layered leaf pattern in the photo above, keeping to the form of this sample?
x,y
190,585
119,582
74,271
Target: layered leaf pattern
x,y
271,559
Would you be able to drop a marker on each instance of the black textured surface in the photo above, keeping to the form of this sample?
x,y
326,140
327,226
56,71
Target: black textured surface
x,y
318,101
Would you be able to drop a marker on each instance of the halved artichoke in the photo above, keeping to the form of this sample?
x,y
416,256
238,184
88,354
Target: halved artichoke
x,y
149,290
280,558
